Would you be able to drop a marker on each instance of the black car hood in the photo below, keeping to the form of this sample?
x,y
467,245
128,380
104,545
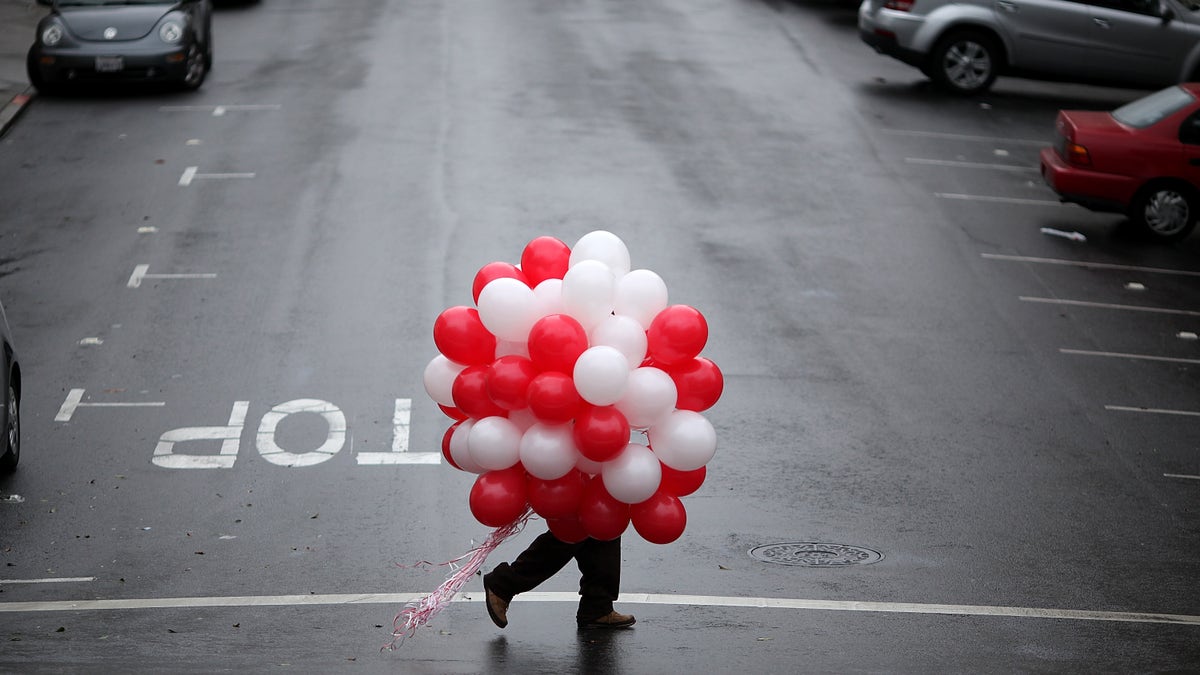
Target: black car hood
x,y
131,22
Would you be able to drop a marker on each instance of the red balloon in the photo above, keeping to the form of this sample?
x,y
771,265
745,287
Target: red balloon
x,y
446,445
601,432
553,398
545,258
567,530
499,497
603,517
555,343
460,336
676,334
453,413
492,271
681,483
558,498
699,383
660,519
470,393
508,381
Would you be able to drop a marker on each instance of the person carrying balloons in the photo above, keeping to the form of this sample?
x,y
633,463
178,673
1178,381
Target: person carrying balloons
x,y
577,394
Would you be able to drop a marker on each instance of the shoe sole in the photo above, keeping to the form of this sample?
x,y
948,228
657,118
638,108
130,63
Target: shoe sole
x,y
623,624
487,603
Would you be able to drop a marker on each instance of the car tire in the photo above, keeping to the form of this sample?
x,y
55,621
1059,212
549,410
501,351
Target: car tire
x,y
1166,211
965,62
196,69
12,430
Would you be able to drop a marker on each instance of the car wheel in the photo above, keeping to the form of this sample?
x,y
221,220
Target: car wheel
x,y
12,431
197,68
1166,211
965,62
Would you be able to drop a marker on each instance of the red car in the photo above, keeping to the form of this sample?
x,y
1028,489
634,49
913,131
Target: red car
x,y
1142,159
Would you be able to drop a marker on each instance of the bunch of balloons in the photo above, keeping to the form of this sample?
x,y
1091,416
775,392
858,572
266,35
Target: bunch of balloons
x,y
551,376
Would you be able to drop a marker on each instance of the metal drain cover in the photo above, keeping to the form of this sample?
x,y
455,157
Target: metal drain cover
x,y
815,554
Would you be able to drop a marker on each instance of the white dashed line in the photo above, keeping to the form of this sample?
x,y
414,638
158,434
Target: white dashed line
x,y
75,397
1086,264
999,200
1105,305
969,165
1153,411
50,580
1137,357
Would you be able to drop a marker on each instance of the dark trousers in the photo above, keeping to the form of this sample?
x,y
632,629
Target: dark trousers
x,y
599,567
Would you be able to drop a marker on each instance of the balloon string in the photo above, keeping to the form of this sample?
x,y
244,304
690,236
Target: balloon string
x,y
419,612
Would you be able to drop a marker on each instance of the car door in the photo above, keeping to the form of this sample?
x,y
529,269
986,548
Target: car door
x,y
1045,36
1189,137
1133,44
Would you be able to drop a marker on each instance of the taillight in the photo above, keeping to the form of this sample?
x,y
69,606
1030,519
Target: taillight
x,y
900,5
1077,154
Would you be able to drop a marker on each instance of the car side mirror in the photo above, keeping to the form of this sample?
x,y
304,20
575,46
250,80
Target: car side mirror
x,y
1165,12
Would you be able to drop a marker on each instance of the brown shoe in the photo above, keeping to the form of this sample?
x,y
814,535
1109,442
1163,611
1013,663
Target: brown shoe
x,y
497,607
610,620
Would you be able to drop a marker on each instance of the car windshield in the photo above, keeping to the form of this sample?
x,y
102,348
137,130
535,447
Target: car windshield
x,y
1149,110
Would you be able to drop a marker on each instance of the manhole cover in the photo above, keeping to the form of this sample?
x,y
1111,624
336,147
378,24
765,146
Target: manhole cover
x,y
815,554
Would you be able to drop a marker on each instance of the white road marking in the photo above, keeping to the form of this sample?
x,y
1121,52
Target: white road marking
x,y
334,440
12,499
1156,411
628,598
969,165
965,137
222,108
399,454
1119,355
1105,305
1000,200
1086,264
50,580
140,273
192,173
75,397
229,435
91,341
1180,475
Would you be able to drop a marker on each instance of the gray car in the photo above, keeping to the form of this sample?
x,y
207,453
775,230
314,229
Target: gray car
x,y
964,44
10,415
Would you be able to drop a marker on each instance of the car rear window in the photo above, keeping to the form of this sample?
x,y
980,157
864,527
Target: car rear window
x,y
1146,111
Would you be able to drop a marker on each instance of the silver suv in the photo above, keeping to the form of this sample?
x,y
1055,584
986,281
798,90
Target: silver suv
x,y
964,44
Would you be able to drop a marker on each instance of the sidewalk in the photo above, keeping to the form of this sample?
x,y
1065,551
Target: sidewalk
x,y
17,21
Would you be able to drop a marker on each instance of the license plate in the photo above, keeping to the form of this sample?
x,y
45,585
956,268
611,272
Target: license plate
x,y
109,64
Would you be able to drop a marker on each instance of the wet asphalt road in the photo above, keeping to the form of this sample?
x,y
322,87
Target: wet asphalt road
x,y
867,252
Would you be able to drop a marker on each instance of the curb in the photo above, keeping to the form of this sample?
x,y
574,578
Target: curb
x,y
13,108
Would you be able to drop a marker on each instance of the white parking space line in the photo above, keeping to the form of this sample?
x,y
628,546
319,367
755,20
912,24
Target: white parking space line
x,y
1105,305
628,598
75,397
140,272
1181,475
970,165
999,200
1088,265
51,580
1119,355
192,173
966,137
219,110
1152,411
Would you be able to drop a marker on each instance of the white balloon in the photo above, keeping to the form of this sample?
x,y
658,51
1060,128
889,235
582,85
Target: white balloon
x,y
548,451
588,466
650,394
508,309
439,379
603,246
633,475
684,440
601,374
460,450
640,295
587,292
624,333
494,443
549,298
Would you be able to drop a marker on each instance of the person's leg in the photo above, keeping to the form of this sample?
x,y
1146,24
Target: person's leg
x,y
542,560
600,578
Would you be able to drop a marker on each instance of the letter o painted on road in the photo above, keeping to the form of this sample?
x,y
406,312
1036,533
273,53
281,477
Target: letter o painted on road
x,y
334,417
